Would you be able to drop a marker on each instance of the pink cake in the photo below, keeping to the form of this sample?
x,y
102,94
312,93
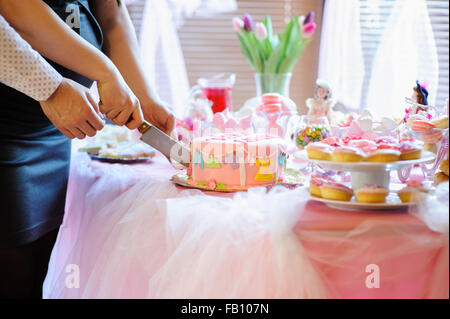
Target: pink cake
x,y
237,161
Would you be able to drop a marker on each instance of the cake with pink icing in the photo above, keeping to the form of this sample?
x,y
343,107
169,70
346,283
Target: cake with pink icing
x,y
236,161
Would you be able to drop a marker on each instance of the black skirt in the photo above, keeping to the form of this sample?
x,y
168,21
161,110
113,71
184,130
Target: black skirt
x,y
34,155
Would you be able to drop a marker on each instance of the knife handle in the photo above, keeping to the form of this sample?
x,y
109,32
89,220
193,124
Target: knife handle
x,y
144,127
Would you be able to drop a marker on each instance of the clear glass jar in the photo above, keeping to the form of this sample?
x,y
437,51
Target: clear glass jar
x,y
309,129
273,83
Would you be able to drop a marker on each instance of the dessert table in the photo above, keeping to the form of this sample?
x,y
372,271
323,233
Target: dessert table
x,y
129,232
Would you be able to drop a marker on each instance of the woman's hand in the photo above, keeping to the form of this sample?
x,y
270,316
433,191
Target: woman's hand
x,y
159,115
73,111
118,102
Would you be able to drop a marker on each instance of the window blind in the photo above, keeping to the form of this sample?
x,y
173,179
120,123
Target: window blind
x,y
439,16
373,19
210,46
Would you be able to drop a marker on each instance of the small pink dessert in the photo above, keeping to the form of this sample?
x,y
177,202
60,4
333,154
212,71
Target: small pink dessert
x,y
314,185
372,194
422,125
413,191
270,98
237,160
432,136
336,191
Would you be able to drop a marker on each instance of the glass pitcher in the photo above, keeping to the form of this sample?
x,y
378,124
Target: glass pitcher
x,y
217,89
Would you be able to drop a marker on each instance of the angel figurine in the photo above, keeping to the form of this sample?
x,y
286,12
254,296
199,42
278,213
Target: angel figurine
x,y
321,104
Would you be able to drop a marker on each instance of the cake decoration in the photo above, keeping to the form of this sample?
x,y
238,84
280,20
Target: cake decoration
x,y
260,158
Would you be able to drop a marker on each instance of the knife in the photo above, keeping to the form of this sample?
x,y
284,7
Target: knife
x,y
168,146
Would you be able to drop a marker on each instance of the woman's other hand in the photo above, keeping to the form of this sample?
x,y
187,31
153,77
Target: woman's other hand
x,y
159,115
73,111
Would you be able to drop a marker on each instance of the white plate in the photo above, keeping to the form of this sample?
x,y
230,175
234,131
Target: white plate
x,y
392,203
366,166
292,179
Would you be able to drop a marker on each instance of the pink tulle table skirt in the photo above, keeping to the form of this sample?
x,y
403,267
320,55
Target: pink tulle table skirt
x,y
128,232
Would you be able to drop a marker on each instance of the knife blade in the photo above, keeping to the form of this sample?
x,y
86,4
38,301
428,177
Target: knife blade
x,y
168,146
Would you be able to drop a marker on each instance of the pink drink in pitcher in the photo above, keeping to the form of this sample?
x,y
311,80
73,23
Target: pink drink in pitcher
x,y
220,97
217,89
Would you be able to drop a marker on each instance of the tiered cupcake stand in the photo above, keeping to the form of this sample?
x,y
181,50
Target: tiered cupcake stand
x,y
363,173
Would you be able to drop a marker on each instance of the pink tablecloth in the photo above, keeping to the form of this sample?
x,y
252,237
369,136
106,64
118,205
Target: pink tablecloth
x,y
129,232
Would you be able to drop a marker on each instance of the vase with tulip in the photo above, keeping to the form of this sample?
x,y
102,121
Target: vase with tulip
x,y
272,55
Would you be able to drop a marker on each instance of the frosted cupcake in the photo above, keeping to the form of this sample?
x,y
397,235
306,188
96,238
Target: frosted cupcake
x,y
414,191
371,194
336,191
319,151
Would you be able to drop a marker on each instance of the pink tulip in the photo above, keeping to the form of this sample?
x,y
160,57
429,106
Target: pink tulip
x,y
309,29
260,31
248,22
238,24
309,17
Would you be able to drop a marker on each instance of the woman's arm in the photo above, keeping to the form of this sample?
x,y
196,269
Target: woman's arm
x,y
121,46
49,35
26,70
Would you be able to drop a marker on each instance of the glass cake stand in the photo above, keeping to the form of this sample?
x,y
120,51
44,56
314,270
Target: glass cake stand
x,y
363,173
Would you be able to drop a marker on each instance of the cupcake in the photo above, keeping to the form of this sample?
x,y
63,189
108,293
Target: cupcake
x,y
444,167
414,191
439,178
384,156
371,194
319,151
316,182
409,150
314,186
347,154
336,191
441,122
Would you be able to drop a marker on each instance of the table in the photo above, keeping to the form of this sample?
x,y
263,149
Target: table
x,y
128,232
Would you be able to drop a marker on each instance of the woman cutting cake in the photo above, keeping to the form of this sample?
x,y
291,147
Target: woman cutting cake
x,y
35,153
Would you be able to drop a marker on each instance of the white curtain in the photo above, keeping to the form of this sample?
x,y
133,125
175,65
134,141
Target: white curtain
x,y
406,53
341,61
160,46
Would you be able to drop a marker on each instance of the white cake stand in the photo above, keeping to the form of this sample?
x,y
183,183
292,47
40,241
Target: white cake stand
x,y
368,172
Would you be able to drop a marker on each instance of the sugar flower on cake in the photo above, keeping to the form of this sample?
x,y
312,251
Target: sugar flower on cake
x,y
211,183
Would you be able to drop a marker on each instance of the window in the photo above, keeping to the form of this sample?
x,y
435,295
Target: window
x,y
210,46
374,17
439,16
